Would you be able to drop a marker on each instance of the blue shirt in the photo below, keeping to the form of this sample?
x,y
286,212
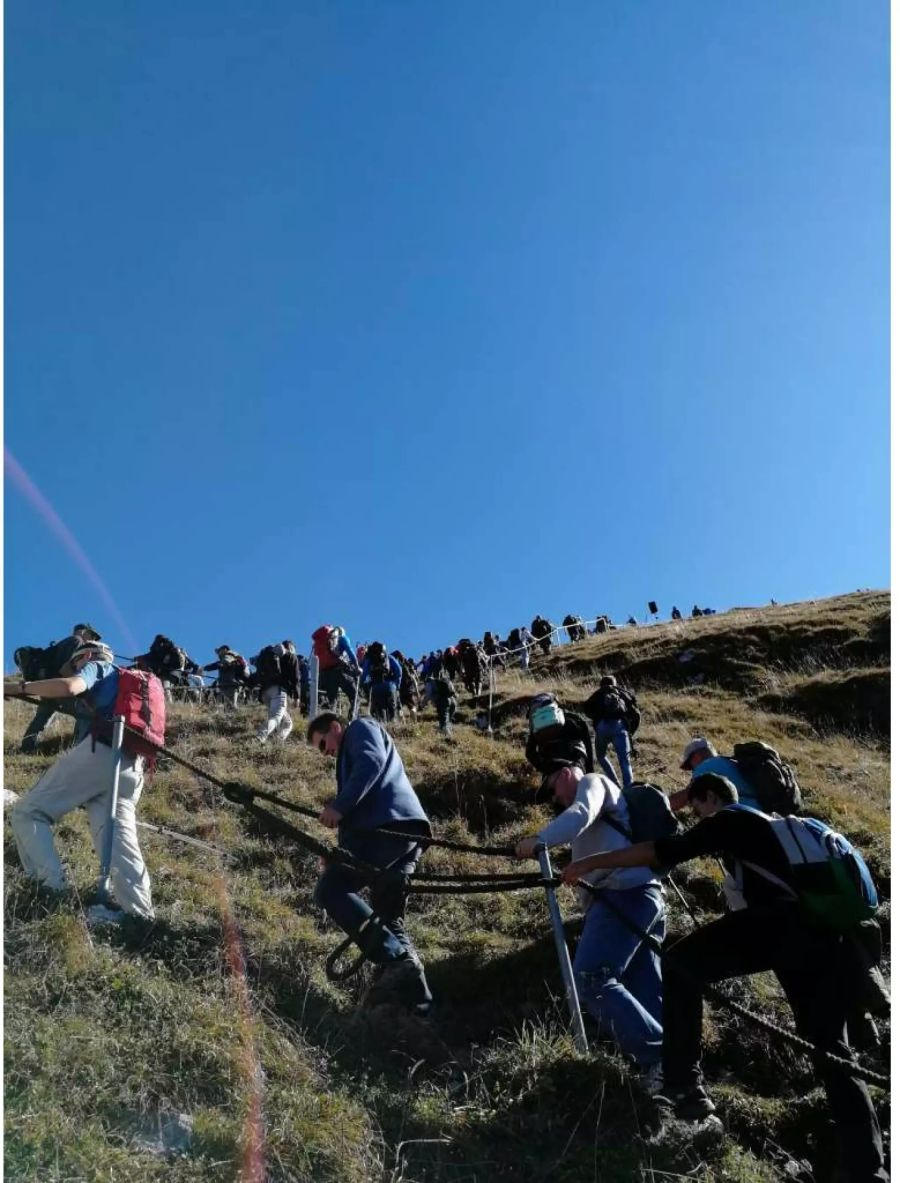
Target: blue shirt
x,y
102,681
373,788
727,767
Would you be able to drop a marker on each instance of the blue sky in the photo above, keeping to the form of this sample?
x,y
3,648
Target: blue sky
x,y
423,318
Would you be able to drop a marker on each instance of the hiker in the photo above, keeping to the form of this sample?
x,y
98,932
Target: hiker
x,y
574,627
373,791
676,615
233,674
772,932
168,662
83,777
338,668
527,640
699,758
409,685
473,664
450,661
440,691
604,624
611,709
383,673
35,664
292,672
555,734
277,677
617,976
543,633
632,621
696,611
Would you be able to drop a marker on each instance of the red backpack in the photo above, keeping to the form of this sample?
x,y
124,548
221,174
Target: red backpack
x,y
325,644
140,700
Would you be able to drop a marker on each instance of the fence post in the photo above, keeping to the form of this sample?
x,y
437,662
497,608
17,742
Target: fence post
x,y
104,891
313,685
562,952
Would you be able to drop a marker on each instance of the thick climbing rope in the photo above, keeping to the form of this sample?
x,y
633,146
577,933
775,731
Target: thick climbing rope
x,y
244,794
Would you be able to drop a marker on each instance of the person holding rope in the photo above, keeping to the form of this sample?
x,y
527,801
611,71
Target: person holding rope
x,y
770,933
617,975
373,791
82,777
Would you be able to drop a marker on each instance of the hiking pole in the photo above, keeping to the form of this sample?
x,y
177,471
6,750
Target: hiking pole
x,y
103,883
562,951
355,704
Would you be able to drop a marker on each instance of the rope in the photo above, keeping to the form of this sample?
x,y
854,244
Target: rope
x,y
242,794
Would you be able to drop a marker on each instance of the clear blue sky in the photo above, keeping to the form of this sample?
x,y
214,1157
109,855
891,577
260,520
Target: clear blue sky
x,y
421,318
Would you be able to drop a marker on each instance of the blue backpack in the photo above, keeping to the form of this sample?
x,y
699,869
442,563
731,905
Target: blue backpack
x,y
829,877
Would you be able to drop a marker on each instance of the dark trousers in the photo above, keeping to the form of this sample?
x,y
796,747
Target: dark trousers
x,y
333,681
384,701
44,714
338,893
813,971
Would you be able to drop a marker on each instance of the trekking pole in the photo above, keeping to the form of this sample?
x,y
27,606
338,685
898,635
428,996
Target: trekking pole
x,y
354,706
562,951
103,883
313,685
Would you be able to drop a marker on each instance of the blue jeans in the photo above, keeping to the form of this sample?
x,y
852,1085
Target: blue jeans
x,y
338,893
618,978
616,733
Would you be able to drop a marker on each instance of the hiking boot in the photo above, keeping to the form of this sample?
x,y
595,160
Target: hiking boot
x,y
100,914
402,982
690,1103
650,1079
28,746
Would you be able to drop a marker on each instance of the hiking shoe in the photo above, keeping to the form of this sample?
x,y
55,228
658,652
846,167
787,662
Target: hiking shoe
x,y
100,914
690,1104
650,1079
403,983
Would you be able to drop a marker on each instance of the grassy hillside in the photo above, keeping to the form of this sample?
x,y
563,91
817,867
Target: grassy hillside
x,y
221,1018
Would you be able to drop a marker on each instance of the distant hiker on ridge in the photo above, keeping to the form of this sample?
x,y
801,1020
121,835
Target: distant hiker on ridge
x,y
383,673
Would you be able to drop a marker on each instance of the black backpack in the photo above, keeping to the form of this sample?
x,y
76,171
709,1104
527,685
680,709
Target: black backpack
x,y
379,663
770,777
649,813
632,715
268,667
36,663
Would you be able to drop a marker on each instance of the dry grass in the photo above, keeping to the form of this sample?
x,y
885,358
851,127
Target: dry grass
x,y
110,1029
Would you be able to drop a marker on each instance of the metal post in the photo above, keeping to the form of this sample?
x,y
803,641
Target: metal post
x,y
103,884
562,952
354,706
313,685
490,729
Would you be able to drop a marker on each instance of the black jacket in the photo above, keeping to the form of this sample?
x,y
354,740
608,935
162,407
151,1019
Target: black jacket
x,y
573,739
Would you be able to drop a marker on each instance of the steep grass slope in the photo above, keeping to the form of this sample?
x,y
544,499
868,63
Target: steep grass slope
x,y
222,1011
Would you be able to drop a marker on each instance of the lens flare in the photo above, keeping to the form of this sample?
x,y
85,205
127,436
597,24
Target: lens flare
x,y
32,494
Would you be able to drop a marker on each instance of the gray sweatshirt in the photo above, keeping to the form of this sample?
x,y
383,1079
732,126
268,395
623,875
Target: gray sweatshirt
x,y
582,827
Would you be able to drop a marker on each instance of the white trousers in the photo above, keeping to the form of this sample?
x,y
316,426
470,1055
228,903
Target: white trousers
x,y
279,721
82,777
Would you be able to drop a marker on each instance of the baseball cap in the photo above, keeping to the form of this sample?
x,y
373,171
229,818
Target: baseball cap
x,y
698,744
552,766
